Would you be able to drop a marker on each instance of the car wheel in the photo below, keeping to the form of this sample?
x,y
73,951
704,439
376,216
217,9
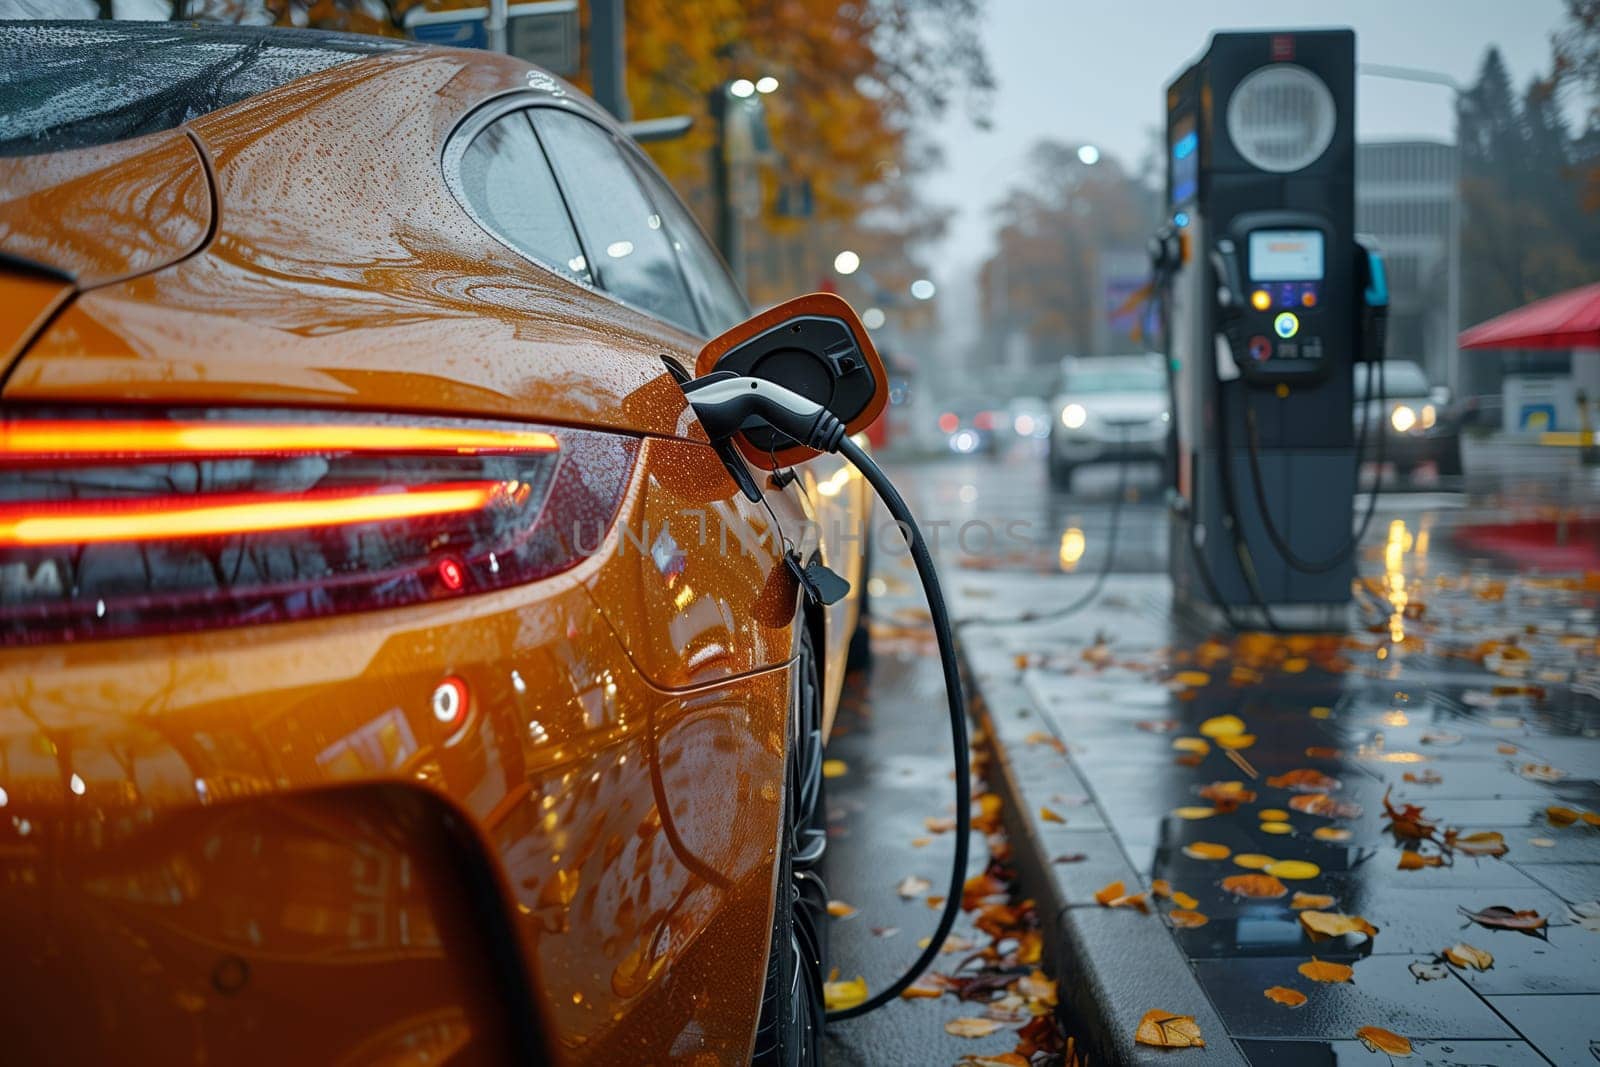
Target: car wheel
x,y
792,1009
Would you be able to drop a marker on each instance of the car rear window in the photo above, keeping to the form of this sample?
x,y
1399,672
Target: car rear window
x,y
80,84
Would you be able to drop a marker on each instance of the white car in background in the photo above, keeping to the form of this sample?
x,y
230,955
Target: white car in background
x,y
1109,409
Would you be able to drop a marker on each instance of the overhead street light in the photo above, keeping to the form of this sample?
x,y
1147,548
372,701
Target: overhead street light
x,y
846,262
767,84
743,88
873,318
1088,155
923,289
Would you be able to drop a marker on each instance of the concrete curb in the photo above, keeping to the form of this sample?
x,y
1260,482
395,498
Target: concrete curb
x,y
1090,948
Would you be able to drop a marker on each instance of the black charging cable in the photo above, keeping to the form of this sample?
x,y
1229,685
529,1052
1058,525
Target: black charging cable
x,y
1230,514
1346,550
727,403
956,702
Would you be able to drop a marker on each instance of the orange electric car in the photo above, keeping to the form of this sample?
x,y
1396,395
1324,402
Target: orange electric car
x,y
391,669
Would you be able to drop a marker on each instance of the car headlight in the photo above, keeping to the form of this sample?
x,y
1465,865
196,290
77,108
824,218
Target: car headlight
x,y
1073,416
1402,418
1429,416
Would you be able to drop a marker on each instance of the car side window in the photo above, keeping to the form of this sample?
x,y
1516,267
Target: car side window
x,y
721,303
629,253
507,183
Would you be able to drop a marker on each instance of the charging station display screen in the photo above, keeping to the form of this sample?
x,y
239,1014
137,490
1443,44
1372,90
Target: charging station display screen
x,y
1286,256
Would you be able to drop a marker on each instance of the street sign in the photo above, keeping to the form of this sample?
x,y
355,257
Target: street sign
x,y
543,32
461,28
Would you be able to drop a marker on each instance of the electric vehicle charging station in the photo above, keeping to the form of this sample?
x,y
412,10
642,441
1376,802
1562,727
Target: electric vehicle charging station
x,y
1268,301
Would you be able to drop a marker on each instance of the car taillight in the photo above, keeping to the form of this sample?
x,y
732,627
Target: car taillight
x,y
121,523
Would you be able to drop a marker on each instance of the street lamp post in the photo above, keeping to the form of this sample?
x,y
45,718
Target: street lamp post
x,y
741,93
1452,298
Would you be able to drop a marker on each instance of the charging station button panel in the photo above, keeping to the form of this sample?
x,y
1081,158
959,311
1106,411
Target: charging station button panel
x,y
1285,267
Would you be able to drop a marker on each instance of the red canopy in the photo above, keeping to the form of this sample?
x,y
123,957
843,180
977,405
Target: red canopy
x,y
1569,320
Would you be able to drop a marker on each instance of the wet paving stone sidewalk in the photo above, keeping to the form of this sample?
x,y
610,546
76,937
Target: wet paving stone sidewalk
x,y
1257,794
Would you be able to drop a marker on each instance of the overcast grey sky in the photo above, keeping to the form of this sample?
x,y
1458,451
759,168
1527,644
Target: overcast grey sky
x,y
1093,71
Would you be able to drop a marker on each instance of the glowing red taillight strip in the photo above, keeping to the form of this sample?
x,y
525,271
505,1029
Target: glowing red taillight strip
x,y
115,439
164,518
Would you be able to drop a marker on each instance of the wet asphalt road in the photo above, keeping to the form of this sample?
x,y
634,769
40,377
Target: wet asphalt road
x,y
892,739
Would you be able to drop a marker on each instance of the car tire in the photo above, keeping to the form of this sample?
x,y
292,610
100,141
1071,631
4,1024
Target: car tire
x,y
789,1033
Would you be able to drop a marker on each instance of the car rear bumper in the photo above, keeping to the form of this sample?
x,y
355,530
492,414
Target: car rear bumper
x,y
256,834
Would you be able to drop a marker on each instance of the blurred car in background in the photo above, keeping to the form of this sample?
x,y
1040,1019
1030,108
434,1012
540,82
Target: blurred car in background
x,y
1110,408
969,424
1420,425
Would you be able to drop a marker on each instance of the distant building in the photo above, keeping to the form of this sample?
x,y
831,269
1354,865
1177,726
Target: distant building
x,y
1405,198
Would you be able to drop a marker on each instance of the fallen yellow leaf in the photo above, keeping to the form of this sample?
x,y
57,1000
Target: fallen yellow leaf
x,y
1464,955
1332,924
1294,870
1184,900
1187,918
834,768
1295,665
912,886
939,824
1236,741
1311,900
1380,1040
1331,833
1483,843
1323,971
1136,901
1049,816
930,985
967,1026
1163,1029
1271,827
1198,745
921,842
1415,861
1191,678
1321,713
1260,886
1292,998
1109,892
1194,812
840,910
1206,850
1253,861
1272,814
1036,986
1222,726
1560,816
840,995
